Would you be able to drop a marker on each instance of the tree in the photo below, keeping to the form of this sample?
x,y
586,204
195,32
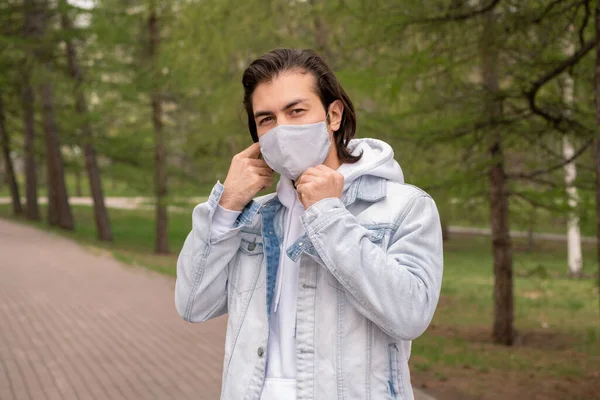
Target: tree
x,y
31,34
8,164
59,209
160,172
501,243
91,165
573,233
597,138
438,89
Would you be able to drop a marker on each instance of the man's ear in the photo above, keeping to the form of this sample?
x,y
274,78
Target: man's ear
x,y
336,111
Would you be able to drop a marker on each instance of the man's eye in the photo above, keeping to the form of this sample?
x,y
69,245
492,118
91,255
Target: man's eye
x,y
267,119
297,110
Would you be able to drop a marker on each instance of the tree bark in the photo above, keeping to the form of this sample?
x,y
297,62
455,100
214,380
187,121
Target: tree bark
x,y
11,179
597,144
101,217
160,173
30,32
573,232
503,331
574,257
59,209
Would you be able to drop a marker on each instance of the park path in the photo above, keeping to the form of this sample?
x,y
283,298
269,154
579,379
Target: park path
x,y
80,325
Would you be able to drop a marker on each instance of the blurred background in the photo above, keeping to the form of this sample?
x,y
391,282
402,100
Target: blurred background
x,y
118,116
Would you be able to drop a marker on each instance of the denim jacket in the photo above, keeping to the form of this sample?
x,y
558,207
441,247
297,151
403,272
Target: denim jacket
x,y
370,278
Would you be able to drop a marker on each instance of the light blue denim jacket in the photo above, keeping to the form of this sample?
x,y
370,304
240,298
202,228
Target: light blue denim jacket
x,y
370,277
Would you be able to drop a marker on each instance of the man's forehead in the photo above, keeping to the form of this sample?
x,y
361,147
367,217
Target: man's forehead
x,y
284,89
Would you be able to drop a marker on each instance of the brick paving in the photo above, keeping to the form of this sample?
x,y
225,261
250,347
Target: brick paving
x,y
79,325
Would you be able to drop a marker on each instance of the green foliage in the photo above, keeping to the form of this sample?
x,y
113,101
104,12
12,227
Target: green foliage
x,y
412,70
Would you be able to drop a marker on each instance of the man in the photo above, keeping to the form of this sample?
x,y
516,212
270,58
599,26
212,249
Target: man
x,y
327,281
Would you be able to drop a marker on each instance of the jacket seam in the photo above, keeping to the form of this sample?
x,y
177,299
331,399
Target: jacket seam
x,y
408,209
340,369
197,280
368,358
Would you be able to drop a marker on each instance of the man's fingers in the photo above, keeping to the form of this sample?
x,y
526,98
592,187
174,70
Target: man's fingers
x,y
263,171
323,167
255,162
316,171
265,182
251,151
304,179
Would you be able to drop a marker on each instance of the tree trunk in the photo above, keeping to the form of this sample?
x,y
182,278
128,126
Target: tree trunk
x,y
30,31
503,331
58,200
160,173
573,232
103,227
59,210
597,144
11,179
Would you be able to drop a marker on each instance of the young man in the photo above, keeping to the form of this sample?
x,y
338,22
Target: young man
x,y
327,281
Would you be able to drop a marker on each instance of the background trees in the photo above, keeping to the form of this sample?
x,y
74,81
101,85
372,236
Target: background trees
x,y
488,104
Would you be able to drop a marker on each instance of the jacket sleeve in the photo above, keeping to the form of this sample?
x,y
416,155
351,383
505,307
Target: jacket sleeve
x,y
202,266
396,288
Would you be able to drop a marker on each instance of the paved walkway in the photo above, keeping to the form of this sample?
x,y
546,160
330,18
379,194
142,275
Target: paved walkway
x,y
76,325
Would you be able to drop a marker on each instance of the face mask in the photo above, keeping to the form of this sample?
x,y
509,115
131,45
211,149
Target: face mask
x,y
292,149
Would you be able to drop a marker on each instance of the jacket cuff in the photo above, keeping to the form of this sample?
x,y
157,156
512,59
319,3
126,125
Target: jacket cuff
x,y
322,213
224,217
223,220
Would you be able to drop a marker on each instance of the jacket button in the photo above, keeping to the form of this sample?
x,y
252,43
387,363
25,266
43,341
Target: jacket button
x,y
260,351
251,246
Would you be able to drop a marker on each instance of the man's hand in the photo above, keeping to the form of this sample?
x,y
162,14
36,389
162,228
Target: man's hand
x,y
247,176
319,183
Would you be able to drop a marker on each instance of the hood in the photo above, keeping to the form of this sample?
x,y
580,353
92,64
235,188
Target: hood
x,y
377,160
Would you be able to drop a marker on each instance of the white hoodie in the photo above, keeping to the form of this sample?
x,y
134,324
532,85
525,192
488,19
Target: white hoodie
x,y
280,384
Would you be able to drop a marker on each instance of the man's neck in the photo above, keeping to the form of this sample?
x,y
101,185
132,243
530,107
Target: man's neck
x,y
332,161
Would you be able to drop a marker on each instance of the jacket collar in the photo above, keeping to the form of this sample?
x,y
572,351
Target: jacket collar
x,y
366,188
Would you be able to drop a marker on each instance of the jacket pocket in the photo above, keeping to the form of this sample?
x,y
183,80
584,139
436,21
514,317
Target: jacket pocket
x,y
395,387
245,273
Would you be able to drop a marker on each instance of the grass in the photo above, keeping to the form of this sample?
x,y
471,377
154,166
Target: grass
x,y
111,187
114,188
133,234
522,218
557,353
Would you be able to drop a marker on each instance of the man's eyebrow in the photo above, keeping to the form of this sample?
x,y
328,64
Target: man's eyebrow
x,y
286,107
292,104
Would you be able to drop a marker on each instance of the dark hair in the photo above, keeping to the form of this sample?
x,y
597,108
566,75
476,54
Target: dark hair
x,y
272,64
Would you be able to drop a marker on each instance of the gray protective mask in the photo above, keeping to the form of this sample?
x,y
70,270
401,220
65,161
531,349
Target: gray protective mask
x,y
292,149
